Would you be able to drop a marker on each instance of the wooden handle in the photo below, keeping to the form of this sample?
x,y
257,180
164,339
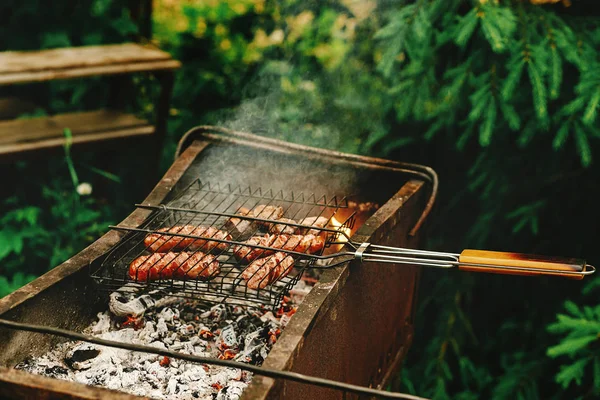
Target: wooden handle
x,y
494,261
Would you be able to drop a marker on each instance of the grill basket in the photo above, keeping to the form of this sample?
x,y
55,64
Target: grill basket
x,y
211,205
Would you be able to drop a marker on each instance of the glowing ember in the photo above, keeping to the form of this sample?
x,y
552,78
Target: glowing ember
x,y
337,225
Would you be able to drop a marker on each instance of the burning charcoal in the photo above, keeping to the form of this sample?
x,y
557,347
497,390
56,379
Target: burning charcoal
x,y
242,333
285,319
187,329
168,314
205,332
81,357
103,324
172,386
237,310
161,328
122,307
227,338
252,355
232,392
268,316
56,371
216,313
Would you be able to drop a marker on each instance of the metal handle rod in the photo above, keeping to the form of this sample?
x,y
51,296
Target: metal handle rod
x,y
392,255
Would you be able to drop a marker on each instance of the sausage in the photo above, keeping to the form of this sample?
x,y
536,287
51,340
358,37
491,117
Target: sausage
x,y
310,244
283,227
266,270
157,243
317,222
249,253
183,265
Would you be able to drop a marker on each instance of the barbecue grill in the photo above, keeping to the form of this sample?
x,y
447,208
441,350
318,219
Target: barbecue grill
x,y
216,174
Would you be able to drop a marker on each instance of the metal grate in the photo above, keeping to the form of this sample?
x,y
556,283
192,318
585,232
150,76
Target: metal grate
x,y
213,205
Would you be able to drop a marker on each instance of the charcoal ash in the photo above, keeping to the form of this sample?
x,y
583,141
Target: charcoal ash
x,y
231,332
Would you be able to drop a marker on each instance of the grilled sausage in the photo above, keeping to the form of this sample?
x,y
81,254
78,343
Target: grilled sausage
x,y
266,270
317,222
301,243
157,243
174,265
310,244
265,212
283,228
249,253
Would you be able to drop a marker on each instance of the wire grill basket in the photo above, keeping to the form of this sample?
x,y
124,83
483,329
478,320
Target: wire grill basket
x,y
214,205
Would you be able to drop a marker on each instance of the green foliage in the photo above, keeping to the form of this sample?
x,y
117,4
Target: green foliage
x,y
580,330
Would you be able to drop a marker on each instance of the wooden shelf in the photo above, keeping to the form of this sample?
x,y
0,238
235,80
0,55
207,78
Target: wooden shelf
x,y
18,137
76,62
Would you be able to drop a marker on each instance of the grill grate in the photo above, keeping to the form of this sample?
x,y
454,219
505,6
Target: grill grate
x,y
213,205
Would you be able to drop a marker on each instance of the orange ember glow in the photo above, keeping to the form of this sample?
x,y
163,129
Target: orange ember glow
x,y
337,225
165,361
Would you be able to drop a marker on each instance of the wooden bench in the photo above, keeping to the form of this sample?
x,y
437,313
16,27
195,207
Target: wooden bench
x,y
22,137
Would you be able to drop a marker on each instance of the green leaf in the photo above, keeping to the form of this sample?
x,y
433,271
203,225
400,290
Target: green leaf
x,y
464,137
591,286
393,144
583,146
467,25
566,323
478,108
487,128
52,40
573,372
492,34
511,116
561,136
573,308
520,225
539,92
589,116
498,24
571,346
512,80
433,129
556,75
526,135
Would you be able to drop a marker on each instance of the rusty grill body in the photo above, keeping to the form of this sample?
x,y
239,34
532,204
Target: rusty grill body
x,y
326,337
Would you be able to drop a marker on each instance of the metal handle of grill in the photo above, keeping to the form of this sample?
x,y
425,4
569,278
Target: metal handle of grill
x,y
478,261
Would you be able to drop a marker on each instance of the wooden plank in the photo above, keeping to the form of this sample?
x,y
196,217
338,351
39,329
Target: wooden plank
x,y
35,129
74,62
27,135
42,76
78,57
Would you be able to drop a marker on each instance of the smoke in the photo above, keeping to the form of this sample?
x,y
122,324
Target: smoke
x,y
318,96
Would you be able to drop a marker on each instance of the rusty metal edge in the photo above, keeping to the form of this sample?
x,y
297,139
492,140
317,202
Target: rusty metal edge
x,y
415,169
14,381
81,260
317,302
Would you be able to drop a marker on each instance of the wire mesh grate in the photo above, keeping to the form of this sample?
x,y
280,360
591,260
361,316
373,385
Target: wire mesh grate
x,y
227,212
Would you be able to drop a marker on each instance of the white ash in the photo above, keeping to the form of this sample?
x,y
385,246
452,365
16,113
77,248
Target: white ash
x,y
241,333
